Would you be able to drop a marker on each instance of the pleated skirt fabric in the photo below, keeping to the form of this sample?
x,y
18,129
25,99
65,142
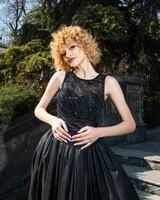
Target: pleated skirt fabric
x,y
62,171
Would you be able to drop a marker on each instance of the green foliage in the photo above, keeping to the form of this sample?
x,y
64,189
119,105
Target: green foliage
x,y
44,16
127,33
37,68
29,63
109,28
9,61
37,45
16,100
35,62
108,23
30,32
33,17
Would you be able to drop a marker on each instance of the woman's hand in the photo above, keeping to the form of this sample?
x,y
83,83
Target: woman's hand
x,y
60,130
87,135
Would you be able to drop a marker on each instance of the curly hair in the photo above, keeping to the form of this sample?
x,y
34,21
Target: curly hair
x,y
67,34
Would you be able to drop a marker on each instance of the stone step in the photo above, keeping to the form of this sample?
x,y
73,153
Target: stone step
x,y
150,160
146,196
149,145
144,179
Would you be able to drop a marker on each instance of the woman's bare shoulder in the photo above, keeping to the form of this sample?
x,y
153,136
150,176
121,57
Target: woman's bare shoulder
x,y
110,83
111,80
59,76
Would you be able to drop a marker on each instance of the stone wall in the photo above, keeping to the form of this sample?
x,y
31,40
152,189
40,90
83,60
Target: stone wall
x,y
17,145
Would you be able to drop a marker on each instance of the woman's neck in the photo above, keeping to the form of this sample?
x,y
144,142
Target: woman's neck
x,y
85,71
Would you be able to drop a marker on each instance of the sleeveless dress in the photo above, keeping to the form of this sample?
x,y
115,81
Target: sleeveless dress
x,y
62,171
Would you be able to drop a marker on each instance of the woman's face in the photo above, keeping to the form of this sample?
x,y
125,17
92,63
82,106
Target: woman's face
x,y
73,55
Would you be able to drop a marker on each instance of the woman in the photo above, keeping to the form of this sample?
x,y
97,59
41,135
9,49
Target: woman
x,y
72,160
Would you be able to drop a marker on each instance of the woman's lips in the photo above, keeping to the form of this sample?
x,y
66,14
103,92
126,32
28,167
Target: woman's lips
x,y
70,60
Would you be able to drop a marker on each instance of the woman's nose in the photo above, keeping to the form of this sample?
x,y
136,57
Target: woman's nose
x,y
68,54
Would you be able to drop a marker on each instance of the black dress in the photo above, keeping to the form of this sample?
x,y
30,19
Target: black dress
x,y
62,171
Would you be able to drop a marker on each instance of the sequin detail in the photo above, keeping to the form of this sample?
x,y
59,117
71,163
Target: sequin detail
x,y
81,99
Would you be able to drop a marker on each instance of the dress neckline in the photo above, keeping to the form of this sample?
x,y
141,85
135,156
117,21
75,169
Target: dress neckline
x,y
85,79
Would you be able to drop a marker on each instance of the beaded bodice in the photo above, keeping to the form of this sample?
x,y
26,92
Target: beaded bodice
x,y
80,101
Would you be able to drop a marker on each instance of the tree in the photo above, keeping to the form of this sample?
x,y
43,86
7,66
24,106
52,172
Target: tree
x,y
127,31
15,10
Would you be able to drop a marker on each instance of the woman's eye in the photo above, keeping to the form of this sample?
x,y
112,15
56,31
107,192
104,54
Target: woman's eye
x,y
72,46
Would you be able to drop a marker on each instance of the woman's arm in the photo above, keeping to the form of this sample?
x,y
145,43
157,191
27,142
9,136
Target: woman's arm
x,y
59,127
128,125
51,89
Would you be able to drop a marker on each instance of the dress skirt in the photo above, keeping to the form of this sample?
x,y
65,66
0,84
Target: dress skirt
x,y
62,171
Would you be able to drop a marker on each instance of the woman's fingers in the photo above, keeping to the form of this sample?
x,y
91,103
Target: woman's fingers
x,y
82,142
86,145
80,135
60,130
86,142
85,128
64,126
61,135
64,132
57,137
80,139
84,138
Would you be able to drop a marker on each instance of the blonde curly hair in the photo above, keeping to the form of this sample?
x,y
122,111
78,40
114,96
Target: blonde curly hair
x,y
65,35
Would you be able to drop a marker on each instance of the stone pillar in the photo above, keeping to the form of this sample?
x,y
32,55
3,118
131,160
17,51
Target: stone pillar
x,y
132,88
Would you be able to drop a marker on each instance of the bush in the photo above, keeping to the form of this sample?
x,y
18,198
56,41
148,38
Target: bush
x,y
9,61
31,61
36,68
16,101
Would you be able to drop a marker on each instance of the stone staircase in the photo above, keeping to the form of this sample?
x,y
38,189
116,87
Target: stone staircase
x,y
141,161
